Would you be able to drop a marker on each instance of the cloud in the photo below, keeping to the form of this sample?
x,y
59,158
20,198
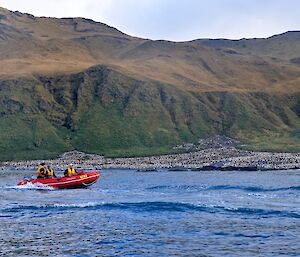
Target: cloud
x,y
176,20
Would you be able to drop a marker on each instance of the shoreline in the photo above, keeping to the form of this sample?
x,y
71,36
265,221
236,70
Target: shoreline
x,y
220,159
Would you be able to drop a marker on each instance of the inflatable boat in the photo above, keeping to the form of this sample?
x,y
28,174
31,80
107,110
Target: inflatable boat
x,y
79,181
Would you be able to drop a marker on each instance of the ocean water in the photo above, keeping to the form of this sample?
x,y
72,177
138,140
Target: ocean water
x,y
130,213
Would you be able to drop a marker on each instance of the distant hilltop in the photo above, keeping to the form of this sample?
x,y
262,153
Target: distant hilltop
x,y
74,83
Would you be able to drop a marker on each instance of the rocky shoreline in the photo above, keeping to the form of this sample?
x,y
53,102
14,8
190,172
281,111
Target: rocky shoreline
x,y
222,159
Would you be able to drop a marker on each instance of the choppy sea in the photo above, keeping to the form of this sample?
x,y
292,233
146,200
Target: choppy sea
x,y
130,213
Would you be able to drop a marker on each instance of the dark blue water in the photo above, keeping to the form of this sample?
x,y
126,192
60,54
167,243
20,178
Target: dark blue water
x,y
154,214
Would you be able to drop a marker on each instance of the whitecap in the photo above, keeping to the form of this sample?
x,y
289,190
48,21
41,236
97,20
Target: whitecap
x,y
31,186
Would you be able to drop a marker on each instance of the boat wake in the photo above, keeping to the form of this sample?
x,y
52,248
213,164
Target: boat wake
x,y
30,186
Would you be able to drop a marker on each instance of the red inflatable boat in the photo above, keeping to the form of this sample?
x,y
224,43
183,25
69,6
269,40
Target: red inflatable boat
x,y
79,181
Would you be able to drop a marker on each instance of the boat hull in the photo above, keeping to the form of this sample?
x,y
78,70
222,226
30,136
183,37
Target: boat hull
x,y
79,181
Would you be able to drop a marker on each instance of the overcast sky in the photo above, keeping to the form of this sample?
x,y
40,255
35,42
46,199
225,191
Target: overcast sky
x,y
177,20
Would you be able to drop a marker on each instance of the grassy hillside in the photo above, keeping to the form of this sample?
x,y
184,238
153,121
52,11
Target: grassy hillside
x,y
102,111
79,84
47,46
283,47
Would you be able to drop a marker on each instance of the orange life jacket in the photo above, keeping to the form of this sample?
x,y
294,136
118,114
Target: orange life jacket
x,y
41,172
71,172
50,172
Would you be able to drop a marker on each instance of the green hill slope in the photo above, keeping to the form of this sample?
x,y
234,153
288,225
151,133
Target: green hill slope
x,y
103,111
79,84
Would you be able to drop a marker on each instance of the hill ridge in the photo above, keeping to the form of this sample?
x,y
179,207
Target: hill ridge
x,y
2,9
74,84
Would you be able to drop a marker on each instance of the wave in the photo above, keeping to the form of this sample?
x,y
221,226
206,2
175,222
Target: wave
x,y
157,207
253,188
223,187
178,187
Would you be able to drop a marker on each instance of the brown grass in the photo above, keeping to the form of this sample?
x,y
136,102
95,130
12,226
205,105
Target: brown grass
x,y
49,46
